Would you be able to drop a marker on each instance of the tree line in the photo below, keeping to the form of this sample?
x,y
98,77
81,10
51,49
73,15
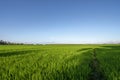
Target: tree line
x,y
2,42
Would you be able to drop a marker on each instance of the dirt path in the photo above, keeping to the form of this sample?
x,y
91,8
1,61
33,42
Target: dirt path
x,y
96,72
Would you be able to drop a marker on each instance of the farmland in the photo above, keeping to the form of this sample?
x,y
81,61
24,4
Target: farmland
x,y
60,62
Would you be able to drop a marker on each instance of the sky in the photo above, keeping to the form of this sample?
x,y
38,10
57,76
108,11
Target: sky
x,y
60,21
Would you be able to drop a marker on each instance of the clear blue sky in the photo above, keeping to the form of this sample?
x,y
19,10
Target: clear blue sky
x,y
60,21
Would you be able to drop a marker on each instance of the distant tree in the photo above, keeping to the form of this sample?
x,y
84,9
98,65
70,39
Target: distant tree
x,y
2,42
9,43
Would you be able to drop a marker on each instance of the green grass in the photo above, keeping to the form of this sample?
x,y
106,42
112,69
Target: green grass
x,y
109,57
56,62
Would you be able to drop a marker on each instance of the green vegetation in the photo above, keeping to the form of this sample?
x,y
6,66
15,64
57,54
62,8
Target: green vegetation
x,y
109,58
58,62
2,42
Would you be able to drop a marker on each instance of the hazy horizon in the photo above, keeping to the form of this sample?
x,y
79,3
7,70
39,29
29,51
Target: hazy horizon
x,y
60,21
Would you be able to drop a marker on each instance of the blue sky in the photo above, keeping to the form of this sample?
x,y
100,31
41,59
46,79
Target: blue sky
x,y
60,21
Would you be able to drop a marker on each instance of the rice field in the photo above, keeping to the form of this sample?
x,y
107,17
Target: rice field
x,y
59,62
